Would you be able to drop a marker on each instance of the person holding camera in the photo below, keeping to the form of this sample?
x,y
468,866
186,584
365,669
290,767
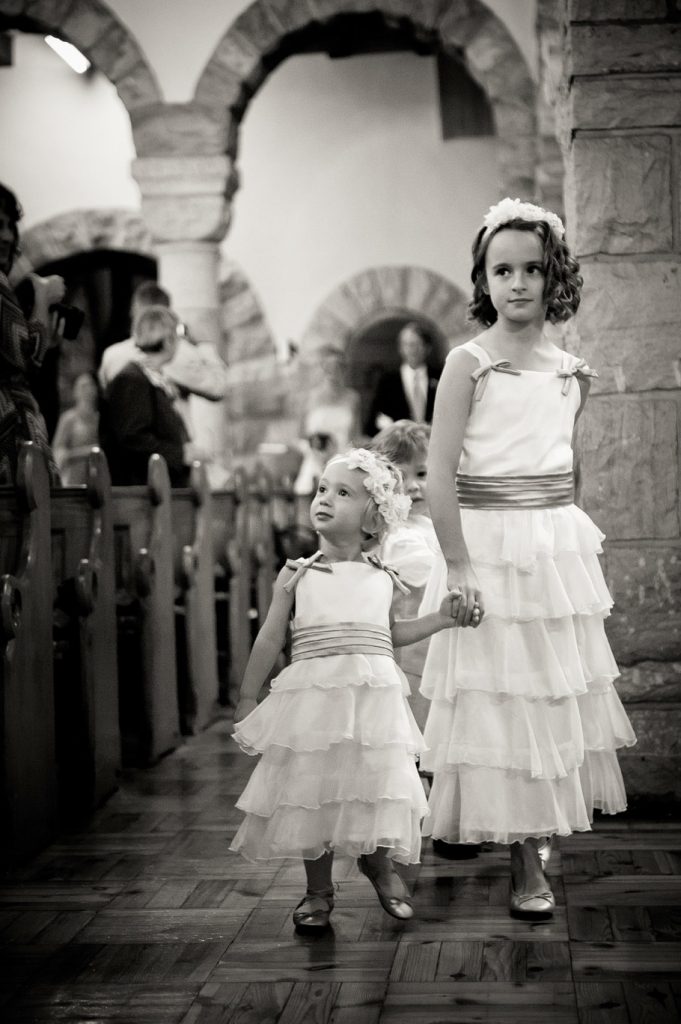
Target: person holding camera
x,y
25,337
138,416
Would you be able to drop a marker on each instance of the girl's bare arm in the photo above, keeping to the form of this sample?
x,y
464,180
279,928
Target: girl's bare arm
x,y
268,644
452,408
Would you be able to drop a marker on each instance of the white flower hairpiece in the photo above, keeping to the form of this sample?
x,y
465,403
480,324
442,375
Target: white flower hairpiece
x,y
382,483
515,209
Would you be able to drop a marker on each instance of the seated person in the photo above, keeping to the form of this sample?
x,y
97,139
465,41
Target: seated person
x,y
139,417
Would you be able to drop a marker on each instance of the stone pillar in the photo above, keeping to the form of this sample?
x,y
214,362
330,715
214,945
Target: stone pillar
x,y
621,121
184,203
550,169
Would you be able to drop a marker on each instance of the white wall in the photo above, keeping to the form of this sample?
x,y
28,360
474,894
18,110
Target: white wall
x,y
343,167
66,138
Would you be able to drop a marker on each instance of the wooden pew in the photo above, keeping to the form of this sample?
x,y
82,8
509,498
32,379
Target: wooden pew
x,y
223,527
240,587
143,546
28,791
85,650
192,521
262,541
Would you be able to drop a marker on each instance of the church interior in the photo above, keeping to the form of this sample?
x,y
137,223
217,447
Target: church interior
x,y
305,177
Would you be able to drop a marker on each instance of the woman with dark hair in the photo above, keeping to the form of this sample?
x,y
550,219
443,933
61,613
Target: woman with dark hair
x,y
24,341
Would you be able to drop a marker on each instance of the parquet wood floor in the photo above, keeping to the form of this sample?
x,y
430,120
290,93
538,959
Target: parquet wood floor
x,y
144,917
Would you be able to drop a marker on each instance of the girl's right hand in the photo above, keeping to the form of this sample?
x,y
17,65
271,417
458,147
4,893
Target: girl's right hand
x,y
461,578
244,708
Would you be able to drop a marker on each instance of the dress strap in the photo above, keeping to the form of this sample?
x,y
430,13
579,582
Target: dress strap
x,y
392,573
301,565
480,375
579,369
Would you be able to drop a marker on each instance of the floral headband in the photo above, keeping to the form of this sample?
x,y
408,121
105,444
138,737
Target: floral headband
x,y
381,481
515,209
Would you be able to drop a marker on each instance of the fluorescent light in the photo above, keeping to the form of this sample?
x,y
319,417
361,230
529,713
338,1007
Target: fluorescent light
x,y
73,57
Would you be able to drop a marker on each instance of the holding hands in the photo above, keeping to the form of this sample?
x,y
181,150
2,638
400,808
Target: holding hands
x,y
464,588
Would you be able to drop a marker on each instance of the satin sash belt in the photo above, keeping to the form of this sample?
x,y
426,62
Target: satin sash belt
x,y
548,491
340,638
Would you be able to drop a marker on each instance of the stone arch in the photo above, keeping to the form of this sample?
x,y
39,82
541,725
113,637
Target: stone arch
x,y
257,41
382,291
99,34
83,230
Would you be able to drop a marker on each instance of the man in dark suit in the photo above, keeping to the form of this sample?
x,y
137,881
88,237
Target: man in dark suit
x,y
138,415
408,393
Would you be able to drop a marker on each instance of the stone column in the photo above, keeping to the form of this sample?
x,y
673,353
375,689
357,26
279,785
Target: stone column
x,y
622,140
184,203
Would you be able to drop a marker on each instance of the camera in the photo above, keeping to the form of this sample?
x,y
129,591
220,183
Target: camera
x,y
71,316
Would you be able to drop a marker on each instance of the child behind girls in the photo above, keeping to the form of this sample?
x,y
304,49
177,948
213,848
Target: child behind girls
x,y
337,738
524,721
410,548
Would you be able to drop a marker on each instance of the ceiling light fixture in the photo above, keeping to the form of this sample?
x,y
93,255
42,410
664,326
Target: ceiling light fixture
x,y
73,57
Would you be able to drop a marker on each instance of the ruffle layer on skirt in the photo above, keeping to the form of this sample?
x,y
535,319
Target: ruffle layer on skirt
x,y
351,828
317,718
544,740
478,804
541,659
524,537
343,773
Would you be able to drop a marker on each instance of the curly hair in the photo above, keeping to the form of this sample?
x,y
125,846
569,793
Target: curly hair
x,y
402,441
11,207
562,280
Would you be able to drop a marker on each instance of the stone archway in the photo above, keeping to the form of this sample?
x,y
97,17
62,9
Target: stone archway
x,y
81,231
383,291
97,32
257,41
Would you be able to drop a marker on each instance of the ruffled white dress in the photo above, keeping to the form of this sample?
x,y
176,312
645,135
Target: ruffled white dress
x,y
337,738
524,719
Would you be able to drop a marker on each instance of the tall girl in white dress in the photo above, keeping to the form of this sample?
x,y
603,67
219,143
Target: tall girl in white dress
x,y
337,737
524,719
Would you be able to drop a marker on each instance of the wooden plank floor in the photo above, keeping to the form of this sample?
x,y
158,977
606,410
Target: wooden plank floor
x,y
144,917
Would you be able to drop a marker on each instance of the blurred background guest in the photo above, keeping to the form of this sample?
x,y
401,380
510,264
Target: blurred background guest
x,y
408,393
330,420
24,340
139,417
77,431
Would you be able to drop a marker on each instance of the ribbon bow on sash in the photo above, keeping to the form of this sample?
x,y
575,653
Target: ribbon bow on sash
x,y
579,370
392,573
481,375
301,566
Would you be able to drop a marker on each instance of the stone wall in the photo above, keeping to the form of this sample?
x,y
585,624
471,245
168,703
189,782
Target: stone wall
x,y
621,133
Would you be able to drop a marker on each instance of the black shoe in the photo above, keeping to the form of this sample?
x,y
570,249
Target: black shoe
x,y
456,851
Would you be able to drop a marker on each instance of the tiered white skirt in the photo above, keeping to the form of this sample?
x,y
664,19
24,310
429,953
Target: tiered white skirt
x,y
524,720
338,744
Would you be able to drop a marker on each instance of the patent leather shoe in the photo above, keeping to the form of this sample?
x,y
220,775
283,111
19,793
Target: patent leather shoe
x,y
397,906
312,914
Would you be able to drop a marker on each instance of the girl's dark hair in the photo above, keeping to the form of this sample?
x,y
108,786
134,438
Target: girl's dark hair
x,y
11,207
562,280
